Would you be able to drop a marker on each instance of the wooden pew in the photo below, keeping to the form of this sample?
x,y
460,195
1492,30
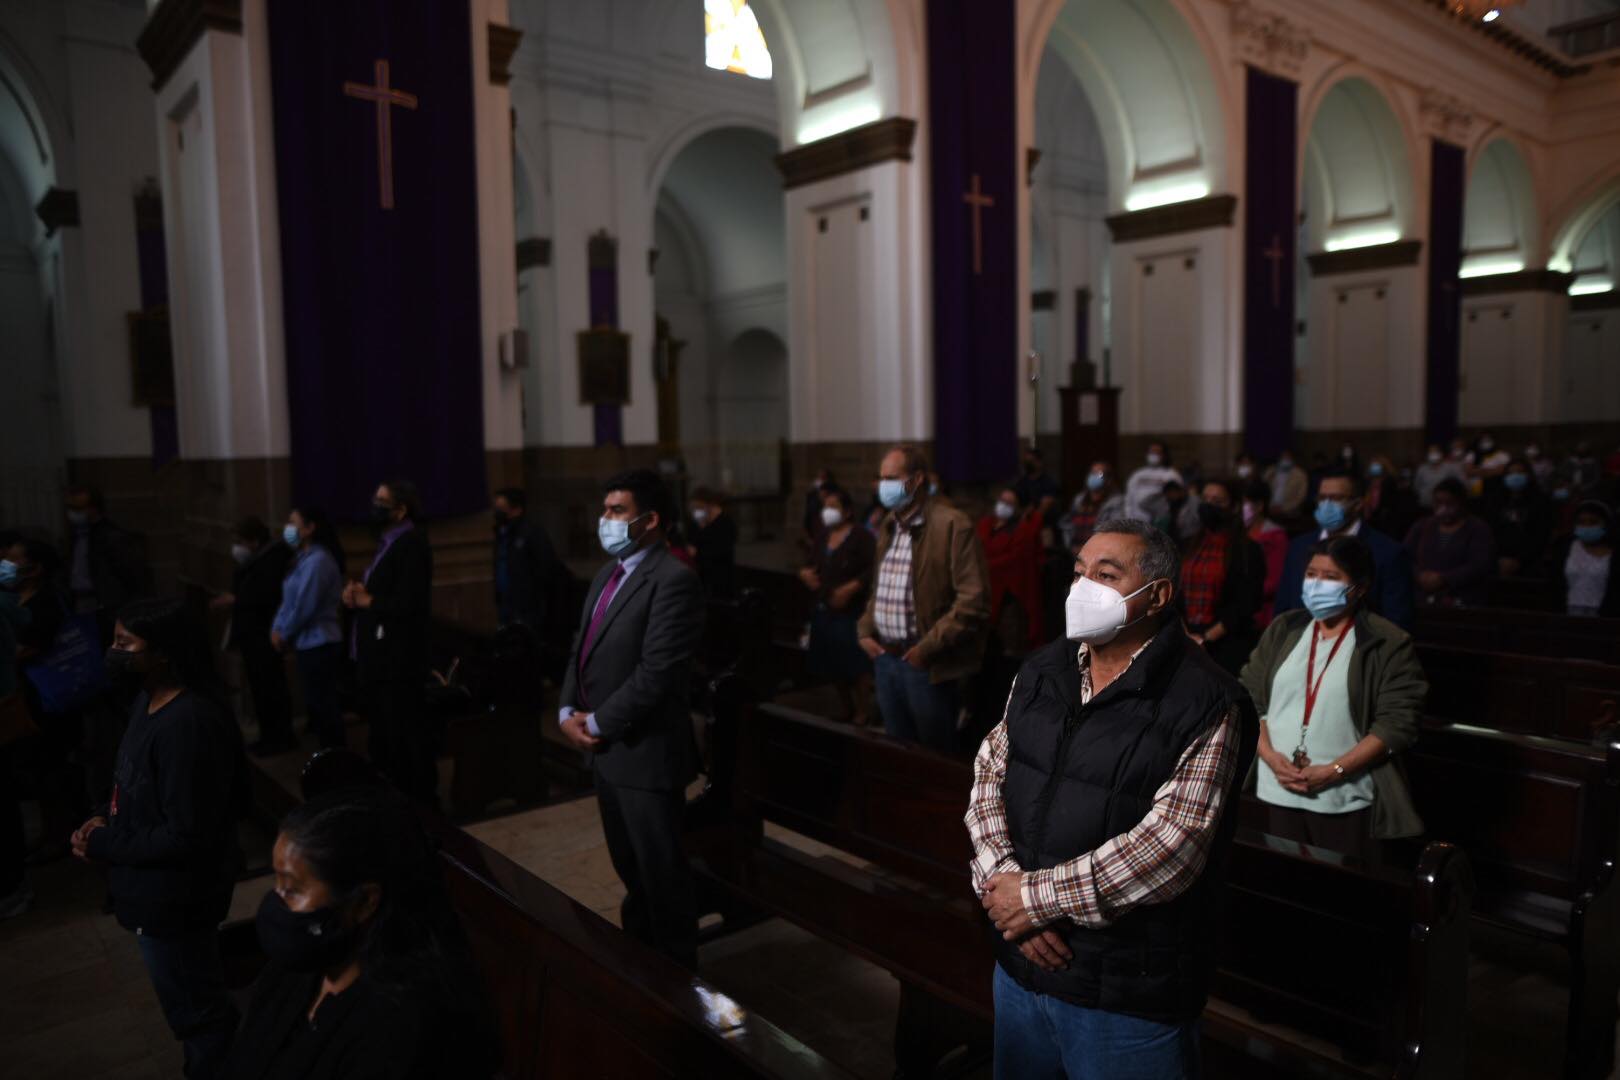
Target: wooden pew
x,y
1557,698
1538,818
900,808
1530,633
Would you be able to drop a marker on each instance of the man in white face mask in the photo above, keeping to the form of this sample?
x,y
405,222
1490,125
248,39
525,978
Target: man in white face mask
x,y
1098,806
624,702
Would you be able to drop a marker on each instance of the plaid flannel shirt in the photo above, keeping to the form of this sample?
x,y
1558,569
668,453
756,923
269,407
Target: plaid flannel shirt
x,y
1154,862
893,609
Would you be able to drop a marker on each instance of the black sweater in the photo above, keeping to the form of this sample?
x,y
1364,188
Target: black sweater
x,y
364,1033
170,844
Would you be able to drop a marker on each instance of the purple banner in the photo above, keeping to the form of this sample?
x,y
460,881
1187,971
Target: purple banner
x,y
1448,179
1269,240
973,148
379,231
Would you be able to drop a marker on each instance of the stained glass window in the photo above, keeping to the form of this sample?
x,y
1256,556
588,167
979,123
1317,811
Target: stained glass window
x,y
733,40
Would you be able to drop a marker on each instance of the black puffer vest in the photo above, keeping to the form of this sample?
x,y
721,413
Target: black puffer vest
x,y
1078,776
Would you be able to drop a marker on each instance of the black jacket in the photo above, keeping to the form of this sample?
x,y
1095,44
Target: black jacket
x,y
391,636
716,545
533,574
364,1033
1080,775
636,677
118,568
256,585
169,844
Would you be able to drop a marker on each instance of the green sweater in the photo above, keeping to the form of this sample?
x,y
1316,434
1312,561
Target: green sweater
x,y
1387,693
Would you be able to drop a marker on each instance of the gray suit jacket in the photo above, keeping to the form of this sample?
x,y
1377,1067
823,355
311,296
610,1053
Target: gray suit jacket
x,y
635,678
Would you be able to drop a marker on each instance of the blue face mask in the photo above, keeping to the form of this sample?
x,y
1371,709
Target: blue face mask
x,y
892,494
1586,534
1330,515
1375,469
289,535
1096,481
8,573
1560,494
1516,481
1324,599
615,536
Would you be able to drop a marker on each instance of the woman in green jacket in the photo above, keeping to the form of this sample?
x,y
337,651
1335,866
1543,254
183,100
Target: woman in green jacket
x,y
1340,693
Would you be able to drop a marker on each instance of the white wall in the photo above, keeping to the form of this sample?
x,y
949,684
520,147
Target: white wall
x,y
1591,383
1364,366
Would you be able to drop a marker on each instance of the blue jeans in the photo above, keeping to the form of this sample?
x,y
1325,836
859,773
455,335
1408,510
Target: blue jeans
x,y
1040,1036
190,982
914,708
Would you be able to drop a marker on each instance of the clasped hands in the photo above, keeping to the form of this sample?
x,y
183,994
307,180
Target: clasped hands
x,y
1301,781
576,729
80,840
1004,903
355,596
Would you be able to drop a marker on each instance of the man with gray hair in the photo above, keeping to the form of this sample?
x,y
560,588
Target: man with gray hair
x,y
1100,820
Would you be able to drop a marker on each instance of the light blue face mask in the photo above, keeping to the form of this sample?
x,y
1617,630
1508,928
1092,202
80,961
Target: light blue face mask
x,y
289,535
1330,515
1096,481
1375,469
8,573
1324,599
1586,534
1516,481
892,494
615,536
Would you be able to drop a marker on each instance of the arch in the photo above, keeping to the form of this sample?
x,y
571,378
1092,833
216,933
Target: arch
x,y
678,140
1356,171
725,182
837,64
1147,71
1580,215
32,132
1501,222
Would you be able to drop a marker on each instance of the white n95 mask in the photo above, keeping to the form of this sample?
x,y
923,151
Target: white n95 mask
x,y
1095,613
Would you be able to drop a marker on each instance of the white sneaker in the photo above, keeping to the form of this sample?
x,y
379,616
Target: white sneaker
x,y
17,902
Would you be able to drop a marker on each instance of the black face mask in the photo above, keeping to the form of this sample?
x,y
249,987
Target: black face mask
x,y
502,519
302,941
1213,517
381,516
127,667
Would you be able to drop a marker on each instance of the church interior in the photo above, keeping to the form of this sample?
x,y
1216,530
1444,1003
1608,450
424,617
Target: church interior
x,y
730,304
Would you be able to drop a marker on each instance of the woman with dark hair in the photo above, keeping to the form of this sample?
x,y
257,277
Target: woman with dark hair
x,y
714,536
1521,519
307,621
255,596
839,573
1584,563
1340,692
1223,578
167,836
369,974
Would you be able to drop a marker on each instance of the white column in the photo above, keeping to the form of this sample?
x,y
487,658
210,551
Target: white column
x,y
224,253
497,237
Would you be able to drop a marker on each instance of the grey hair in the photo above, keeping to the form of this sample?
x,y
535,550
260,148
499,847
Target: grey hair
x,y
1160,557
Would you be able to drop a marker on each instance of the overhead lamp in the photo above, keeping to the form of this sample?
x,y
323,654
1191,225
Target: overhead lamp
x,y
1369,238
1166,195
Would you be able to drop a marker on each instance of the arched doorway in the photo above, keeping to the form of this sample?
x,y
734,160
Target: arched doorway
x,y
720,292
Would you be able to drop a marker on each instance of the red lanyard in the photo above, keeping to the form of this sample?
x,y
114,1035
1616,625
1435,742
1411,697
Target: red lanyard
x,y
1313,681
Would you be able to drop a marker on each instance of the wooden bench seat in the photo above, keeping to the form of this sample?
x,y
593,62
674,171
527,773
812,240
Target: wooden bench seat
x,y
1538,818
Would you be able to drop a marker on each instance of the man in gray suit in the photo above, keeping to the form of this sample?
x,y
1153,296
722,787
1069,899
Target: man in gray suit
x,y
624,702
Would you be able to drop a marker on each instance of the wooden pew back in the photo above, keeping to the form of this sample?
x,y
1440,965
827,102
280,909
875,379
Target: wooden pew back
x,y
1556,698
1528,633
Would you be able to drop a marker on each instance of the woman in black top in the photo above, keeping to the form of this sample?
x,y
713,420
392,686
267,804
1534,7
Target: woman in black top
x,y
840,575
167,837
369,975
714,537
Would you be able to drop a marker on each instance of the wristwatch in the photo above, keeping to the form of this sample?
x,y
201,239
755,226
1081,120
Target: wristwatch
x,y
1339,769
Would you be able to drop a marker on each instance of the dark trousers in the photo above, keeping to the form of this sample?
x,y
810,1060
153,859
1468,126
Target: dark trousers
x,y
190,982
13,846
1348,834
916,708
318,671
400,743
266,673
643,831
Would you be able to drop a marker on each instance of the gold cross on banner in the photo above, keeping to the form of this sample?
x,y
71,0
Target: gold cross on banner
x,y
979,201
384,97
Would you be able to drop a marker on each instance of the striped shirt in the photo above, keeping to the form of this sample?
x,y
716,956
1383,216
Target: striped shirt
x,y
1154,862
893,608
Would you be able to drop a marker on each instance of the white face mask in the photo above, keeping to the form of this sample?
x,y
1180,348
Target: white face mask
x,y
1155,460
1245,471
700,516
1095,613
1004,510
832,517
241,553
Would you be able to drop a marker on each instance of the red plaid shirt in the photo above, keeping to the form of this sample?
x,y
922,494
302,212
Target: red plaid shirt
x,y
1203,576
1156,861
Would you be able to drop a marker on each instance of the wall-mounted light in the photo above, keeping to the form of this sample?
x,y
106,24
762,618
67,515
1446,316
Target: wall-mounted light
x,y
1490,16
1588,286
1487,269
1370,238
1164,196
838,122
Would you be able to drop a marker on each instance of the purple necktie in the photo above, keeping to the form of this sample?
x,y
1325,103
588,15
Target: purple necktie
x,y
600,613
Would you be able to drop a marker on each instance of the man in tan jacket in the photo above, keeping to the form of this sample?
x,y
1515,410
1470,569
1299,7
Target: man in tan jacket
x,y
929,613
